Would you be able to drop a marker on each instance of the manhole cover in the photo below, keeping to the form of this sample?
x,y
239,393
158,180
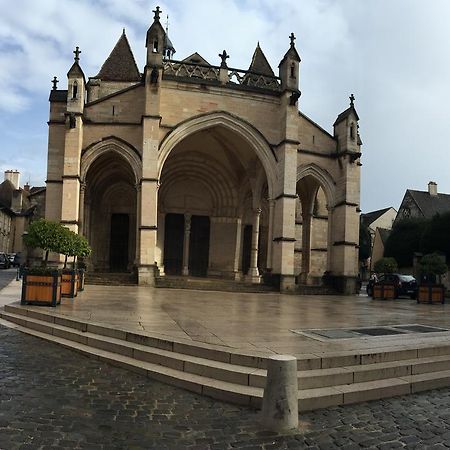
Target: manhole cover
x,y
335,334
377,331
420,328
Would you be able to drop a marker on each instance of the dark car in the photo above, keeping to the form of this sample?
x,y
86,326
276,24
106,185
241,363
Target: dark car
x,y
4,261
403,284
17,260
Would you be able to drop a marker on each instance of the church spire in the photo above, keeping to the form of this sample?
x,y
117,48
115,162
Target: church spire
x,y
155,41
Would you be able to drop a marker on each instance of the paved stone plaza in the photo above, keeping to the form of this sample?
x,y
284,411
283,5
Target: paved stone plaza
x,y
256,323
54,398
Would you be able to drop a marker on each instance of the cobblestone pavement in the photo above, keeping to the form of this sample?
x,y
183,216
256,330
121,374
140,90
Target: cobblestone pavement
x,y
51,397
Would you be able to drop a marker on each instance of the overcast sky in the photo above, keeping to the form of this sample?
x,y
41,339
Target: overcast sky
x,y
394,55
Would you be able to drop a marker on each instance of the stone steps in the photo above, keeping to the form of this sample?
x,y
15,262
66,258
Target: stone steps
x,y
211,284
110,279
235,376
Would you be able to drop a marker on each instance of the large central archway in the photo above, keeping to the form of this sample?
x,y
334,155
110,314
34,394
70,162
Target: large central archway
x,y
213,215
108,207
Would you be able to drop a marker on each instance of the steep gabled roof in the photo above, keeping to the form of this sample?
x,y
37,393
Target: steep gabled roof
x,y
75,70
430,205
259,63
384,234
348,112
196,58
370,217
120,64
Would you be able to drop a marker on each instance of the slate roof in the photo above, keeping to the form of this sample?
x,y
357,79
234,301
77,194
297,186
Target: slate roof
x,y
430,205
120,64
58,96
37,190
259,63
196,58
370,217
384,234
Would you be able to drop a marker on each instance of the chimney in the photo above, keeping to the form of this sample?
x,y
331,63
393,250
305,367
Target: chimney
x,y
13,176
432,188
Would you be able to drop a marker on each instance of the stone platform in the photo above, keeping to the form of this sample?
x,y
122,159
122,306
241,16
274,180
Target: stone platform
x,y
349,349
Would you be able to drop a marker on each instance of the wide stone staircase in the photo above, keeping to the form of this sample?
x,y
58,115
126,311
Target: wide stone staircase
x,y
211,284
231,375
111,278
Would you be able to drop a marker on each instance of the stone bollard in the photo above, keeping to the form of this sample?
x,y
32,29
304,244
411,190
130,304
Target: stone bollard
x,y
280,401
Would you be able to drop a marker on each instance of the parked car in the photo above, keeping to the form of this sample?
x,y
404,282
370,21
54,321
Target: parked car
x,y
11,257
4,261
17,260
403,284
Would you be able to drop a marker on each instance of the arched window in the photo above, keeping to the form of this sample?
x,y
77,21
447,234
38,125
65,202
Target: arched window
x,y
293,70
75,89
352,130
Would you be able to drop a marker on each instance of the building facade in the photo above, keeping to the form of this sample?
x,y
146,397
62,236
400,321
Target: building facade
x,y
197,169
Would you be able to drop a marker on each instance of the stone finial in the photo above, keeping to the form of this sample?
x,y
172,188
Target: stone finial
x,y
157,13
55,82
77,52
352,100
292,38
224,57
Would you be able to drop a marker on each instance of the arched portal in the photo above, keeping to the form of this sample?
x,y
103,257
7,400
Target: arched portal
x,y
109,210
213,191
313,224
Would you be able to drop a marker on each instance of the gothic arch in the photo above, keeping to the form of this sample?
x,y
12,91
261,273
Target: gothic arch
x,y
250,134
111,144
323,177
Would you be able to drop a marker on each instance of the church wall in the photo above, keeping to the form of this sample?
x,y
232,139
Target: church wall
x,y
128,107
129,133
313,138
180,102
98,89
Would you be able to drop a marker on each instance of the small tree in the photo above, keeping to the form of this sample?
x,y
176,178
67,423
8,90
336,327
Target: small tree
x,y
386,265
46,235
431,265
74,245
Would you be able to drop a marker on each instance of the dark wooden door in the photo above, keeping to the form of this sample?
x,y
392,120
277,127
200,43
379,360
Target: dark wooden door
x,y
199,246
118,253
173,244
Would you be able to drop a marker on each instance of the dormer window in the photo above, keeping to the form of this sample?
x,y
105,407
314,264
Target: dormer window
x,y
74,90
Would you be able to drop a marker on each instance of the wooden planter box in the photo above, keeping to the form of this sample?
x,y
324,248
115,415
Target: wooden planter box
x,y
431,293
383,291
69,284
42,290
81,279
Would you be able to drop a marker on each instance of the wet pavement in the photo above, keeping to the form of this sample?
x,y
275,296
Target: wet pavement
x,y
54,398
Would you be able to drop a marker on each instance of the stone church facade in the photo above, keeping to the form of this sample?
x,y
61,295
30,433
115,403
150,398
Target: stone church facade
x,y
204,170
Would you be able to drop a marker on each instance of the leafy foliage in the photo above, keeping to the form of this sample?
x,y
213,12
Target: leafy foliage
x,y
433,264
436,236
404,240
386,265
53,237
46,235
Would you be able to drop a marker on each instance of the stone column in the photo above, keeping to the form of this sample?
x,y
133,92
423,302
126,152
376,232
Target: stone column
x,y
187,238
270,234
81,218
253,272
237,250
160,243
